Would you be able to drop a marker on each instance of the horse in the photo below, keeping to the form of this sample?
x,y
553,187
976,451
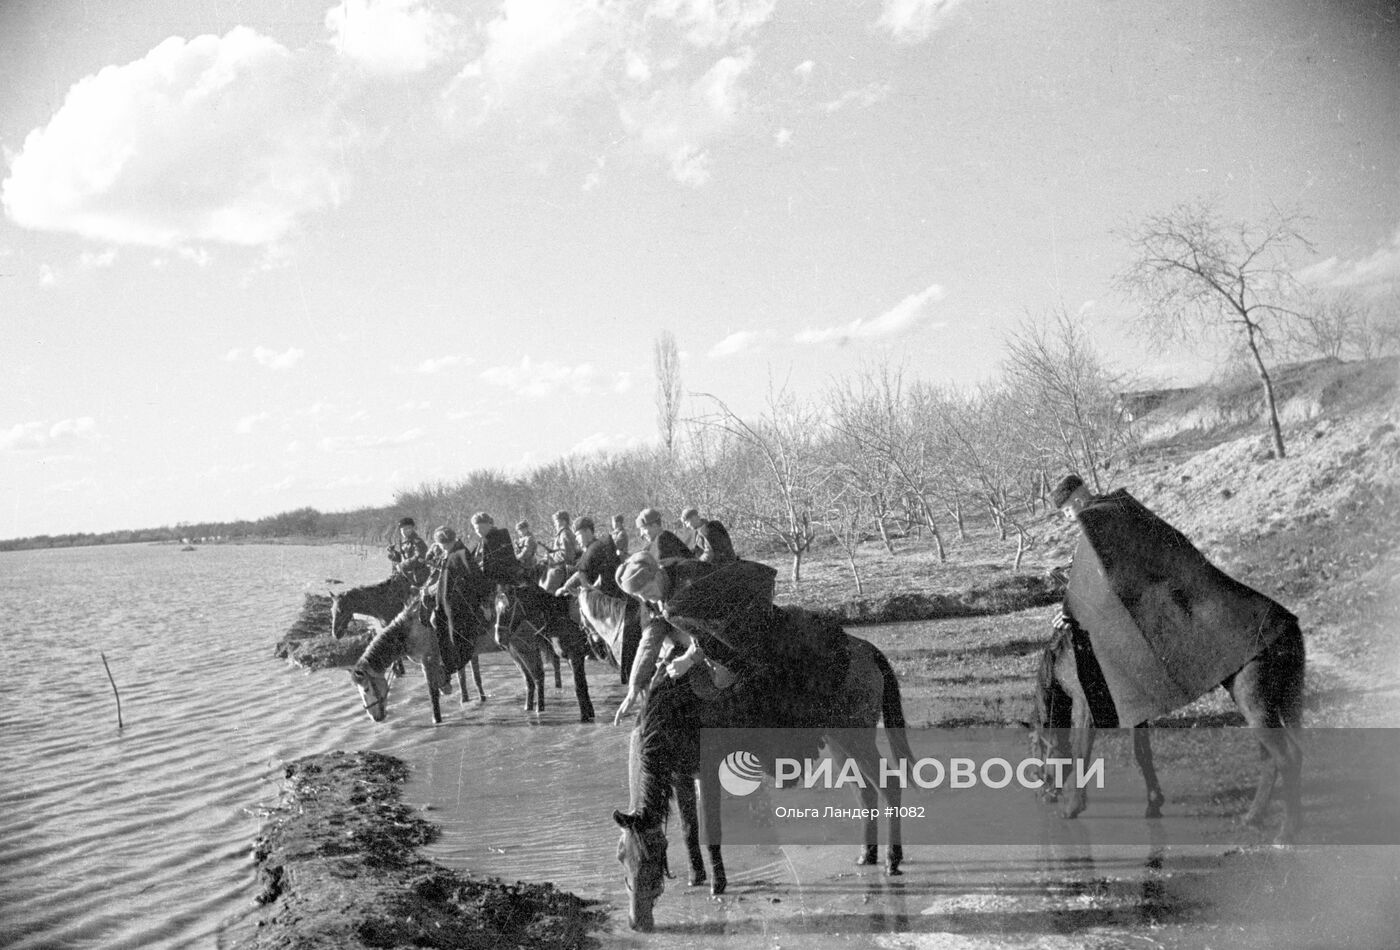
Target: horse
x,y
613,623
404,635
1267,690
382,602
532,624
809,687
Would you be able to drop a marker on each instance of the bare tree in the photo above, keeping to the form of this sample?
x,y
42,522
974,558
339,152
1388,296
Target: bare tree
x,y
1067,397
1196,276
667,361
785,470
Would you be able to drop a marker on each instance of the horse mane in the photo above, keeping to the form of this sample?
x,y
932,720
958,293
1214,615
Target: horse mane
x,y
668,743
608,609
390,643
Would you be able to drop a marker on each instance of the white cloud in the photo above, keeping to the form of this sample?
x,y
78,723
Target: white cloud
x,y
539,380
741,342
390,37
355,443
912,21
47,276
803,70
71,486
215,139
90,260
274,360
247,424
909,314
783,137
1376,270
36,436
439,363
864,97
713,22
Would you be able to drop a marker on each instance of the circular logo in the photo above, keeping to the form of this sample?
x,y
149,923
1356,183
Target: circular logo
x,y
740,773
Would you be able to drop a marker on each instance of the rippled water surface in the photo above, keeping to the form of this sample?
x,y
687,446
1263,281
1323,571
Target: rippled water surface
x,y
141,837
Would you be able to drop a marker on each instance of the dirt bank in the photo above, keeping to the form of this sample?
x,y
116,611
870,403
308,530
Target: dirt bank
x,y
338,866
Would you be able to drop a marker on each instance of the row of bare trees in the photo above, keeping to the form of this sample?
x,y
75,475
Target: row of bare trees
x,y
883,456
877,456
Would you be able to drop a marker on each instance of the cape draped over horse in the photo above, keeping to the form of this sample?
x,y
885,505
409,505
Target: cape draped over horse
x,y
813,677
532,623
1157,625
404,635
615,623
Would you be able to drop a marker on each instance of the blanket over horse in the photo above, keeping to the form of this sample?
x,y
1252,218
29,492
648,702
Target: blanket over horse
x,y
1164,624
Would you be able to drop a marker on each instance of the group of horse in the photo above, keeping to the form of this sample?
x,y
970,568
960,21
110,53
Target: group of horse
x,y
460,609
538,629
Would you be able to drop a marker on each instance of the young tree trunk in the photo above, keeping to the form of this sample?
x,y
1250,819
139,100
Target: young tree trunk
x,y
885,534
1274,429
796,564
855,571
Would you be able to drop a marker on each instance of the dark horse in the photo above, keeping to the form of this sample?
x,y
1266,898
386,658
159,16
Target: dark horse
x,y
1268,691
383,601
816,678
526,616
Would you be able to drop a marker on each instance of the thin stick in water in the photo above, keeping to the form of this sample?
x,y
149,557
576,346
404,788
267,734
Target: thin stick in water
x,y
114,688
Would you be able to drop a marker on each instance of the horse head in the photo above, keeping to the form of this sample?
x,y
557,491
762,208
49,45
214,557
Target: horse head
x,y
374,690
642,852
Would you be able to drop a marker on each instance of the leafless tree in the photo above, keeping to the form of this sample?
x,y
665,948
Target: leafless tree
x,y
786,471
1196,276
667,362
1067,397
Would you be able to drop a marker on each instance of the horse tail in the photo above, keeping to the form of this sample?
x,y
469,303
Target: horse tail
x,y
892,707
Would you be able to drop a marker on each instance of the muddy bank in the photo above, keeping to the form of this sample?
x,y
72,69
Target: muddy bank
x,y
308,642
338,866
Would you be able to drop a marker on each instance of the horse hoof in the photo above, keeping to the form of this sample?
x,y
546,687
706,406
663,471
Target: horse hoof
x,y
697,878
717,888
1153,811
868,856
585,718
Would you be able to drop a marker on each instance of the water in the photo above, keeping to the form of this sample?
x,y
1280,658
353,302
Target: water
x,y
142,837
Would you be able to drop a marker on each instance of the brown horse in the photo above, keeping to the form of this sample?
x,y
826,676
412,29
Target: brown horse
x,y
843,684
532,624
1268,691
382,602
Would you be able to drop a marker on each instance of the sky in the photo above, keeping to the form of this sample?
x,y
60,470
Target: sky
x,y
263,254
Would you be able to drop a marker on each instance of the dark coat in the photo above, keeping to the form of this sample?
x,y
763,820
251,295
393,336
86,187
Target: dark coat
x,y
496,557
712,543
1164,623
598,565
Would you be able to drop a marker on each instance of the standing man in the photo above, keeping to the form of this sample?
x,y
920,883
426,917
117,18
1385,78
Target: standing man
x,y
664,546
496,553
409,554
596,566
712,541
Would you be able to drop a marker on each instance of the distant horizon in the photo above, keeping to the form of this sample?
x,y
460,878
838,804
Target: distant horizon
x,y
303,253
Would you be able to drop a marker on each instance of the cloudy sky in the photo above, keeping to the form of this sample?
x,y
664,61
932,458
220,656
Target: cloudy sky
x,y
259,254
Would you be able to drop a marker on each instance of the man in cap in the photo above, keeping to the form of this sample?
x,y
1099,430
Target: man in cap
x,y
663,545
496,553
621,542
1071,496
596,566
711,541
563,555
409,554
527,548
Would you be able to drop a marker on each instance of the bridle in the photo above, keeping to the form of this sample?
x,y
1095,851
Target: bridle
x,y
368,684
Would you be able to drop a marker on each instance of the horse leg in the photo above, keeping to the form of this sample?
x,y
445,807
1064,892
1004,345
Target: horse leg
x,y
476,675
462,684
1142,752
1081,743
433,695
865,755
710,815
553,657
1281,755
585,702
690,826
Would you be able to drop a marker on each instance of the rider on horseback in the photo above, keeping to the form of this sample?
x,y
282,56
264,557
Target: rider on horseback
x,y
715,614
597,565
496,553
409,554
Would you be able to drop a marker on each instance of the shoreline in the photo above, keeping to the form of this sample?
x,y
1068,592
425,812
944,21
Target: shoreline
x,y
338,866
